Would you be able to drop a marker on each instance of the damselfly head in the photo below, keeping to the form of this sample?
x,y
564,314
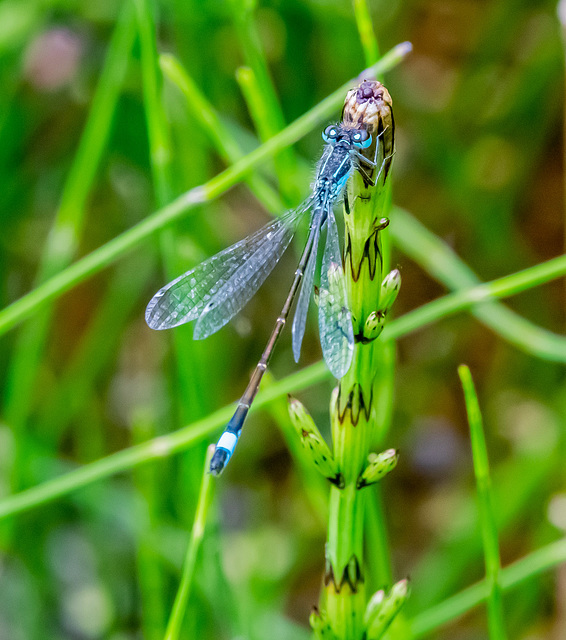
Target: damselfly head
x,y
359,138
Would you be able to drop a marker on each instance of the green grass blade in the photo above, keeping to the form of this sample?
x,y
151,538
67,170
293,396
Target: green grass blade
x,y
451,559
161,154
488,524
445,266
150,568
260,94
219,135
127,241
157,128
521,571
150,576
201,109
66,231
480,295
366,32
156,449
181,599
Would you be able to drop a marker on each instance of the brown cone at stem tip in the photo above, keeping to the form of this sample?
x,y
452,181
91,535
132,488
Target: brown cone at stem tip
x,y
369,106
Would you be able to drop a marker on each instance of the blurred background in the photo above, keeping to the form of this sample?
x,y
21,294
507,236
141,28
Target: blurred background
x,y
479,110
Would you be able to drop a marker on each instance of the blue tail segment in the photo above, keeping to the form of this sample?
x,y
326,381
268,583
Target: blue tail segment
x,y
228,441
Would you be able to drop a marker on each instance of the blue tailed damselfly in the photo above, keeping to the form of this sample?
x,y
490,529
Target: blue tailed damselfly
x,y
216,290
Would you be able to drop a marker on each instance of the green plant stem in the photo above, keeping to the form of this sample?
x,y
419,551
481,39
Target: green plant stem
x,y
515,574
158,131
485,500
181,599
149,565
378,558
122,244
366,32
161,155
353,415
151,578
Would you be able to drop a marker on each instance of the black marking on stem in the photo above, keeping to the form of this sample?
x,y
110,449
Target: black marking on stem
x,y
337,481
360,338
371,253
352,575
355,403
346,203
388,144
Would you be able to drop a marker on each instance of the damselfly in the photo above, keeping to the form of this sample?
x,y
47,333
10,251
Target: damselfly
x,y
216,290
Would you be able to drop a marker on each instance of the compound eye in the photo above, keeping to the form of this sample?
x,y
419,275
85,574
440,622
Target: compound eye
x,y
330,134
362,139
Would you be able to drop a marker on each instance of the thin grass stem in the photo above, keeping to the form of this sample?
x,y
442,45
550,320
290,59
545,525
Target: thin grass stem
x,y
186,436
158,131
174,625
151,576
366,32
66,233
521,571
496,621
478,296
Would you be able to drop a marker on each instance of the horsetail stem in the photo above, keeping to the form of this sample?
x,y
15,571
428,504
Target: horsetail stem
x,y
351,467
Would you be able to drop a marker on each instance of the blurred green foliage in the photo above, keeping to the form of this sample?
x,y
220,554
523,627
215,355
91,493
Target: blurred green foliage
x,y
479,115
